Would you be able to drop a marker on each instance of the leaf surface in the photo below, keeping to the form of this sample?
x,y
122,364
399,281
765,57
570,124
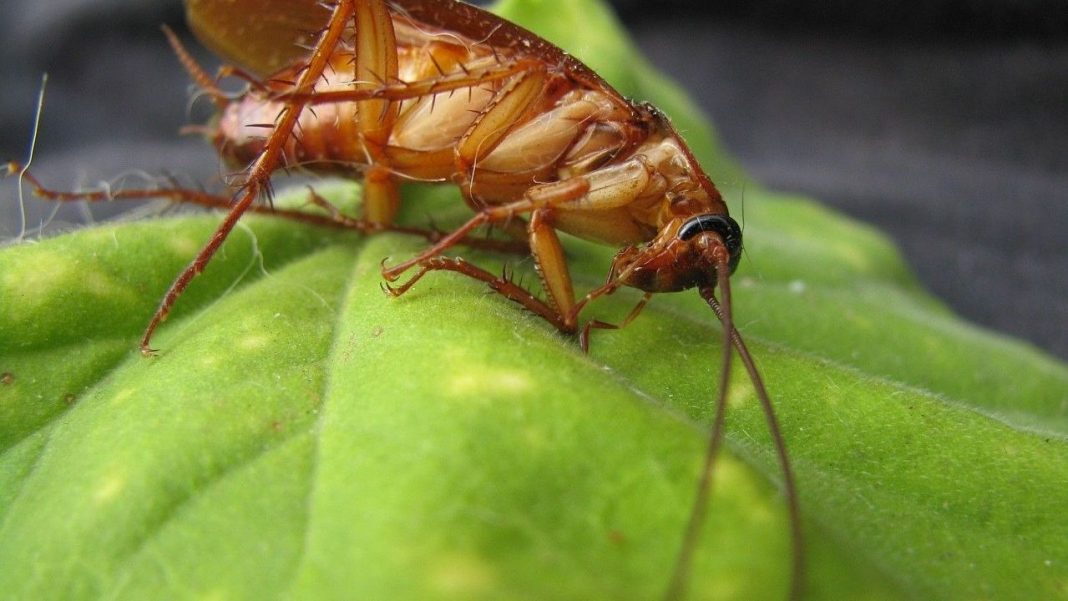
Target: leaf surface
x,y
304,436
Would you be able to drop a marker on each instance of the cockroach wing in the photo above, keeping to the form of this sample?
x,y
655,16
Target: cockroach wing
x,y
261,36
265,35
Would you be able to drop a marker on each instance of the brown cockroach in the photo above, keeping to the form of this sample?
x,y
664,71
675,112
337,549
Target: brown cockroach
x,y
442,91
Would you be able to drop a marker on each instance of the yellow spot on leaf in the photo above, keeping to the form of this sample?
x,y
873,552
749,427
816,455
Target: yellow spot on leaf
x,y
103,286
848,253
723,587
109,488
253,342
461,575
729,475
183,245
739,395
535,437
488,380
215,595
123,394
38,281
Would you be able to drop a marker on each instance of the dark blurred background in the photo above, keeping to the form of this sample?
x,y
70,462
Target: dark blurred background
x,y
944,123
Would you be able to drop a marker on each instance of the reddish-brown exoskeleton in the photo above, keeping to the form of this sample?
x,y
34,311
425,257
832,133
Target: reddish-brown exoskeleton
x,y
441,91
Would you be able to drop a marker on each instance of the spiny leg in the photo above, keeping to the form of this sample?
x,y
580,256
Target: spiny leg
x,y
514,292
592,192
258,178
431,234
500,284
335,218
562,191
565,322
394,91
545,248
194,197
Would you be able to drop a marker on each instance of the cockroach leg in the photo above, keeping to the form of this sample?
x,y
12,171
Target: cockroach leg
x,y
545,248
431,234
375,64
593,324
391,274
502,285
259,174
409,90
596,324
551,263
335,218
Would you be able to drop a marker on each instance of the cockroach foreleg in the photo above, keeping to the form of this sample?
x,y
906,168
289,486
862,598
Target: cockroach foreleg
x,y
596,324
591,192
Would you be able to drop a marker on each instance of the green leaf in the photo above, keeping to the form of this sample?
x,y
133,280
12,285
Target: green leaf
x,y
302,435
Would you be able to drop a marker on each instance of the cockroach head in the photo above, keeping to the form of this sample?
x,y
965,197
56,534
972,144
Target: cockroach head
x,y
730,235
687,253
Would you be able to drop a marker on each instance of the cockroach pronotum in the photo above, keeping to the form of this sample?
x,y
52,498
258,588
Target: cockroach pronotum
x,y
536,142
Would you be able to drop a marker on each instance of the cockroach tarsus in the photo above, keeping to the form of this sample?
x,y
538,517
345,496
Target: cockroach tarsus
x,y
536,142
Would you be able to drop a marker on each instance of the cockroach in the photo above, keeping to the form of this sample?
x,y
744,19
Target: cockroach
x,y
536,142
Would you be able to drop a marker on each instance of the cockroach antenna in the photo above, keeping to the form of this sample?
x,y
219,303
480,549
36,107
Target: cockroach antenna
x,y
29,158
